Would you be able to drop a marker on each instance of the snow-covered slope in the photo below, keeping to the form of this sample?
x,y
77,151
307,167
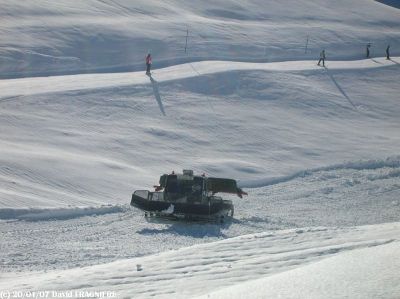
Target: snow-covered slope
x,y
316,148
58,37
30,86
91,139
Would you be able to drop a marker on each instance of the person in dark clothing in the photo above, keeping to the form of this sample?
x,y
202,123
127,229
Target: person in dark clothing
x,y
322,58
387,52
368,46
148,63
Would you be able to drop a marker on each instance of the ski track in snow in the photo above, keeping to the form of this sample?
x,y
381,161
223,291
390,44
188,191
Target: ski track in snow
x,y
29,86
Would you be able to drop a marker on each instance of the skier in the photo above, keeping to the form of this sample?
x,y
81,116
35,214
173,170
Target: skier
x,y
148,64
322,58
387,52
368,46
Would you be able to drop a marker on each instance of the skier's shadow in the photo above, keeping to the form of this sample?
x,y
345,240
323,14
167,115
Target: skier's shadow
x,y
340,88
376,61
394,61
154,84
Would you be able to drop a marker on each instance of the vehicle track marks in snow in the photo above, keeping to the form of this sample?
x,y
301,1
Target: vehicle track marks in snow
x,y
345,195
219,264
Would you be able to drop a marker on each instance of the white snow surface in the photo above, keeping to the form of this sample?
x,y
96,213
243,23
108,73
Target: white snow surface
x,y
93,146
317,149
348,275
23,87
57,37
343,196
200,269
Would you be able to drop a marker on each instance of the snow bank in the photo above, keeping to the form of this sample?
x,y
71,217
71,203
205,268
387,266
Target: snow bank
x,y
391,162
359,274
33,214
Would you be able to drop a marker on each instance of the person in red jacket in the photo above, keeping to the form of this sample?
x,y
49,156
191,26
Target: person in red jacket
x,y
148,63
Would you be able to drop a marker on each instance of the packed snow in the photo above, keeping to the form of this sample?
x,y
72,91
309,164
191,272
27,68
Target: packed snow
x,y
346,275
316,148
192,271
95,146
361,194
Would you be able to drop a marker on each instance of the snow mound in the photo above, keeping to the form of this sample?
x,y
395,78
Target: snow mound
x,y
34,214
390,162
360,274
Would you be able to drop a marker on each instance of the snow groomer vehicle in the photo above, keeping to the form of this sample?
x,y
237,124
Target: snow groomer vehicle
x,y
188,196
